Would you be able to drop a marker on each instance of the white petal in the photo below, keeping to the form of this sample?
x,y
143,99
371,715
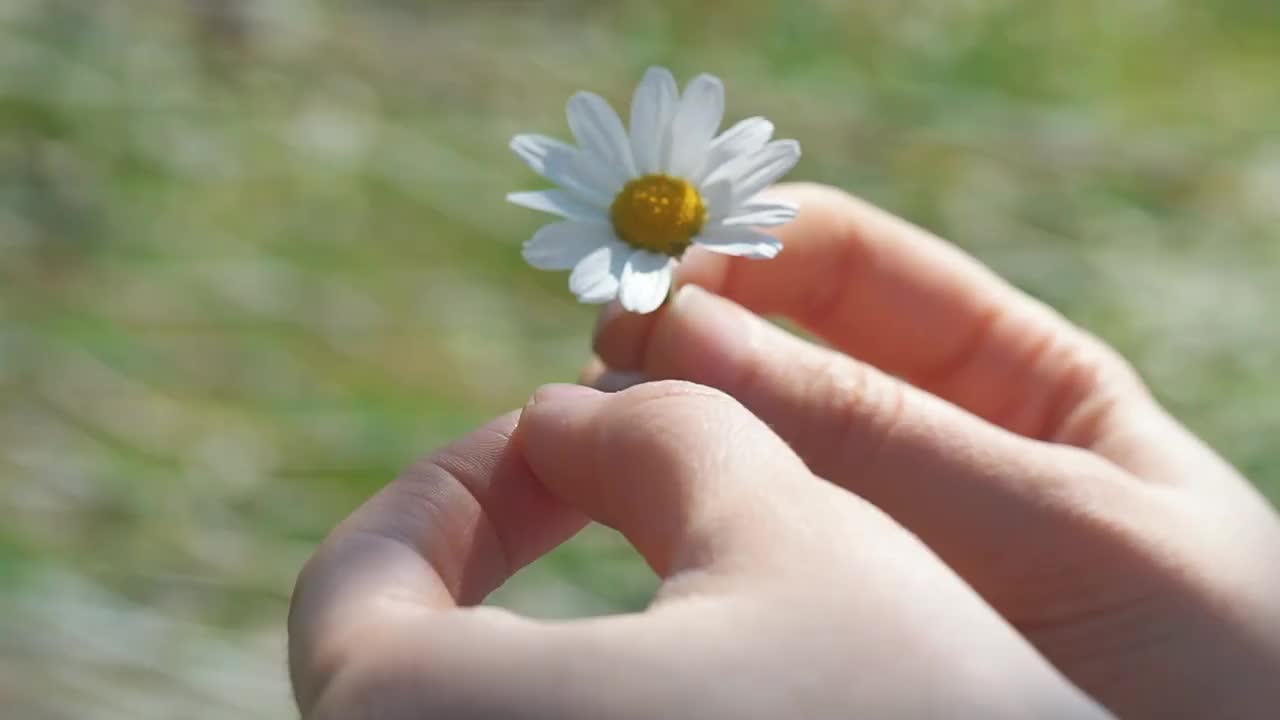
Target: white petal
x,y
652,106
760,203
562,245
595,278
763,214
598,178
564,165
755,172
694,124
559,202
599,132
744,138
646,278
717,198
536,150
740,241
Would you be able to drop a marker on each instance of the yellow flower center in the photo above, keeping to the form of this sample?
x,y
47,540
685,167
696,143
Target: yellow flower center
x,y
658,213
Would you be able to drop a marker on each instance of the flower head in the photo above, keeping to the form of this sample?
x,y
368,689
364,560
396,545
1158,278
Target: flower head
x,y
633,202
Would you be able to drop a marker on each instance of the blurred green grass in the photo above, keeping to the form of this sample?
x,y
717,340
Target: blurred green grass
x,y
254,259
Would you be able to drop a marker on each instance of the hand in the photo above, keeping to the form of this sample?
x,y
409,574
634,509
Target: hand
x,y
784,596
1024,452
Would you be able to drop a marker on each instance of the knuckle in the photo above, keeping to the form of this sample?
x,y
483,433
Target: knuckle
x,y
859,409
970,350
1101,366
668,418
1091,381
1061,367
675,397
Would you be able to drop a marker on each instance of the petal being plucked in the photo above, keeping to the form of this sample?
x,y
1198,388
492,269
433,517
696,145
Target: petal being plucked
x,y
596,277
652,105
646,279
752,173
562,245
559,202
599,133
744,138
739,241
694,124
760,213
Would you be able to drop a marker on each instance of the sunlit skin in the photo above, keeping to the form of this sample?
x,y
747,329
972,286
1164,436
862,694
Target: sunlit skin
x,y
1023,450
658,213
783,596
962,506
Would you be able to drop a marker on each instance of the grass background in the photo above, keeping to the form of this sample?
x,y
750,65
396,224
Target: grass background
x,y
254,259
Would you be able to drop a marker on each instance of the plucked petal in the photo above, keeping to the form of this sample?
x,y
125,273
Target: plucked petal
x,y
694,124
652,106
562,245
566,166
739,241
595,278
559,202
744,138
762,214
646,278
599,133
752,173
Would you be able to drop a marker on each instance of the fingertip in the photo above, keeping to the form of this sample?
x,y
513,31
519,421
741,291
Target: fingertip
x,y
620,336
562,395
644,461
591,371
554,411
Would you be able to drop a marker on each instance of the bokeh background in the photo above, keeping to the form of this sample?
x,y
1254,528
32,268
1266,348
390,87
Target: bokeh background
x,y
254,259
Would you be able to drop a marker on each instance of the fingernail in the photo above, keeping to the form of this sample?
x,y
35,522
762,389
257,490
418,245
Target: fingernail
x,y
617,381
563,394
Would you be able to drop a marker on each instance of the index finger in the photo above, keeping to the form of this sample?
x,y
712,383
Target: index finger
x,y
445,533
895,296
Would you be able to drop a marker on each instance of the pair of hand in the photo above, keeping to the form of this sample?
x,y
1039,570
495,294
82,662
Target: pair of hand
x,y
966,508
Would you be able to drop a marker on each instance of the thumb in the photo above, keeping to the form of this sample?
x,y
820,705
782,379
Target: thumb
x,y
688,475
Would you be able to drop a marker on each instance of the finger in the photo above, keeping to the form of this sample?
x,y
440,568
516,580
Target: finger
x,y
684,472
895,296
963,485
722,509
374,628
687,475
446,532
690,477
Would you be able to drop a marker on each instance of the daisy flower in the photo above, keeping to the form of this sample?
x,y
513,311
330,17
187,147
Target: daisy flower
x,y
633,202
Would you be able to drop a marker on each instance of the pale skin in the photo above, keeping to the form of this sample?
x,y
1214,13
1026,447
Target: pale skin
x,y
964,506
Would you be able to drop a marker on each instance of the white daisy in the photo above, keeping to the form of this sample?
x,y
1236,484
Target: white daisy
x,y
632,204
